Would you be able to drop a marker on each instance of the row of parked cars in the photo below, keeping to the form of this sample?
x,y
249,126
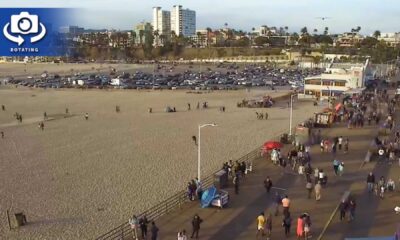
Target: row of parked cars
x,y
227,78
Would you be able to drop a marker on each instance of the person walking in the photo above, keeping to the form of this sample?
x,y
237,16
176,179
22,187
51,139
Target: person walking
x,y
196,222
87,116
154,231
287,223
286,204
134,222
2,134
336,164
343,209
143,222
236,183
340,142
278,202
352,209
300,227
317,189
346,145
341,169
260,225
66,111
267,184
182,235
370,182
3,107
309,188
268,226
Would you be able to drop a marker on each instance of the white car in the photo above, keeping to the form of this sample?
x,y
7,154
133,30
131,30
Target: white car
x,y
398,91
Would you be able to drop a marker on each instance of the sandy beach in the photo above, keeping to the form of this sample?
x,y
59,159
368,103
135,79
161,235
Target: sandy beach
x,y
78,179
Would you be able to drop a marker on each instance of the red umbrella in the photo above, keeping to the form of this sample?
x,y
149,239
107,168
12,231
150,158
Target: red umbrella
x,y
272,144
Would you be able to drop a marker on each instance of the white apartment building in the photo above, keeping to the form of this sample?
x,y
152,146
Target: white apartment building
x,y
162,21
337,79
393,39
183,21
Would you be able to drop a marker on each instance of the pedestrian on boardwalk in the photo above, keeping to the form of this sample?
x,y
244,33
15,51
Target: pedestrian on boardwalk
x,y
352,209
143,222
343,209
196,226
341,169
336,164
236,183
278,202
268,226
260,225
300,227
67,111
2,134
317,189
188,106
286,204
267,184
346,145
3,107
287,223
154,231
134,223
87,116
382,186
340,142
370,182
309,188
182,235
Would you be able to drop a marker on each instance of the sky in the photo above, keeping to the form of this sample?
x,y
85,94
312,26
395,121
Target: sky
x,y
343,15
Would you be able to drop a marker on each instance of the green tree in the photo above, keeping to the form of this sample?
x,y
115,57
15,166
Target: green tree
x,y
304,31
260,41
377,34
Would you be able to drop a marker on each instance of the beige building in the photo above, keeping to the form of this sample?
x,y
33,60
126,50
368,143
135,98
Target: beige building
x,y
348,39
337,79
393,39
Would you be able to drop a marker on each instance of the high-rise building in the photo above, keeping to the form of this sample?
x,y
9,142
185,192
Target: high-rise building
x,y
161,21
183,21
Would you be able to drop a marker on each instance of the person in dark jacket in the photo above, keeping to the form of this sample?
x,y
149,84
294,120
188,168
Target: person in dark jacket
x,y
196,225
343,208
267,184
154,231
287,223
370,182
143,226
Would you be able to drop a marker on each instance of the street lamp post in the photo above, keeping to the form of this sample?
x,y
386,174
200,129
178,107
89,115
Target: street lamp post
x,y
198,147
291,114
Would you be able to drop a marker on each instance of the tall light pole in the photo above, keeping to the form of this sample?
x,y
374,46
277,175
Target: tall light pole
x,y
291,114
198,147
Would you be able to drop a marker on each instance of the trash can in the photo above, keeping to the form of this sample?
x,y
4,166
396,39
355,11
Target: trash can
x,y
21,219
221,179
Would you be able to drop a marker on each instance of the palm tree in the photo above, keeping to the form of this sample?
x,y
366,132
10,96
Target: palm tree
x,y
304,31
141,34
286,28
133,37
358,29
198,39
209,30
173,36
377,34
226,25
156,34
326,31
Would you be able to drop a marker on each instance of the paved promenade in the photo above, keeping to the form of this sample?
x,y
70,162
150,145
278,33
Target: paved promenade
x,y
238,220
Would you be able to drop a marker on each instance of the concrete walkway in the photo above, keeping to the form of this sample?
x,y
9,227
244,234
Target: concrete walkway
x,y
238,221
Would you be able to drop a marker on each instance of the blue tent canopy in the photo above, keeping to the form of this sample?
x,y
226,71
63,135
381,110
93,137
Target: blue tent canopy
x,y
207,196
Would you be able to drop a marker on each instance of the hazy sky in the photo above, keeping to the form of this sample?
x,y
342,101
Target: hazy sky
x,y
240,14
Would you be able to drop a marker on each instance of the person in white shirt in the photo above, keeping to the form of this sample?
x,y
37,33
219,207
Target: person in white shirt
x,y
340,141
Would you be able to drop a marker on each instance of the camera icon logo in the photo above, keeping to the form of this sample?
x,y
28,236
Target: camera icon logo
x,y
23,24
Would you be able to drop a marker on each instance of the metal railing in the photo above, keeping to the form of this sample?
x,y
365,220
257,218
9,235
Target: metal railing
x,y
124,230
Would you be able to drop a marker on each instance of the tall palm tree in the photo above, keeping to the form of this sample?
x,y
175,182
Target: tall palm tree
x,y
315,31
377,34
326,31
198,39
209,30
304,30
358,29
141,34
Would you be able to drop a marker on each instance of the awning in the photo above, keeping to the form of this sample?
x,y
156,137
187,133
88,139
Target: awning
x,y
354,91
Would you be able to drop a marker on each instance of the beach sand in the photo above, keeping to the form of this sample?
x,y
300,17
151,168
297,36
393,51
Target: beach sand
x,y
78,179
